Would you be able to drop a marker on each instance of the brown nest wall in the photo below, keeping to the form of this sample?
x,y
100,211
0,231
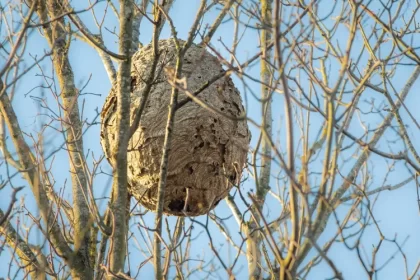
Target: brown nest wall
x,y
208,151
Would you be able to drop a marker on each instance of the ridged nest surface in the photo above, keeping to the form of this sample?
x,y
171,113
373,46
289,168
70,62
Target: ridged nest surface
x,y
208,151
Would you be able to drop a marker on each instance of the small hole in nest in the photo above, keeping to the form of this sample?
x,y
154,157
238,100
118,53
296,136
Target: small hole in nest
x,y
133,83
190,170
201,145
232,178
199,77
188,209
176,205
222,109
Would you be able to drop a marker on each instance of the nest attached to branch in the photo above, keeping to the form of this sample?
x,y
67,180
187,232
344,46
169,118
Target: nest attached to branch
x,y
207,152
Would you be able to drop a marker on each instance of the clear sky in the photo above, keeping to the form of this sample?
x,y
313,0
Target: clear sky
x,y
396,212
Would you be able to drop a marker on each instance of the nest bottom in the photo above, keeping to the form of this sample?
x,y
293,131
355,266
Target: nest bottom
x,y
184,195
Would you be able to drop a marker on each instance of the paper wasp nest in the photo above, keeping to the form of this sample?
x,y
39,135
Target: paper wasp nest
x,y
207,152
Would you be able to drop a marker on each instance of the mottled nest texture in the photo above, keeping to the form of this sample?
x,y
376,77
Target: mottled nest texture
x,y
208,151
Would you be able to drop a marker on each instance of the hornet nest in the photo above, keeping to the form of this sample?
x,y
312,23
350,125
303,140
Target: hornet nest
x,y
208,151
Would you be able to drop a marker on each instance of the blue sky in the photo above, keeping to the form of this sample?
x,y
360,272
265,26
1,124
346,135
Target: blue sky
x,y
396,211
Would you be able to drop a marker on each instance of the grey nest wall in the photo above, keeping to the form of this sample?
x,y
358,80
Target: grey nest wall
x,y
208,151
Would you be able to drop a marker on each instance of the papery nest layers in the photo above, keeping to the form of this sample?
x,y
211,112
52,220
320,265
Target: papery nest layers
x,y
208,151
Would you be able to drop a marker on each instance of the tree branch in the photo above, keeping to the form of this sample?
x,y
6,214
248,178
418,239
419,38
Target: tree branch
x,y
30,261
119,188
